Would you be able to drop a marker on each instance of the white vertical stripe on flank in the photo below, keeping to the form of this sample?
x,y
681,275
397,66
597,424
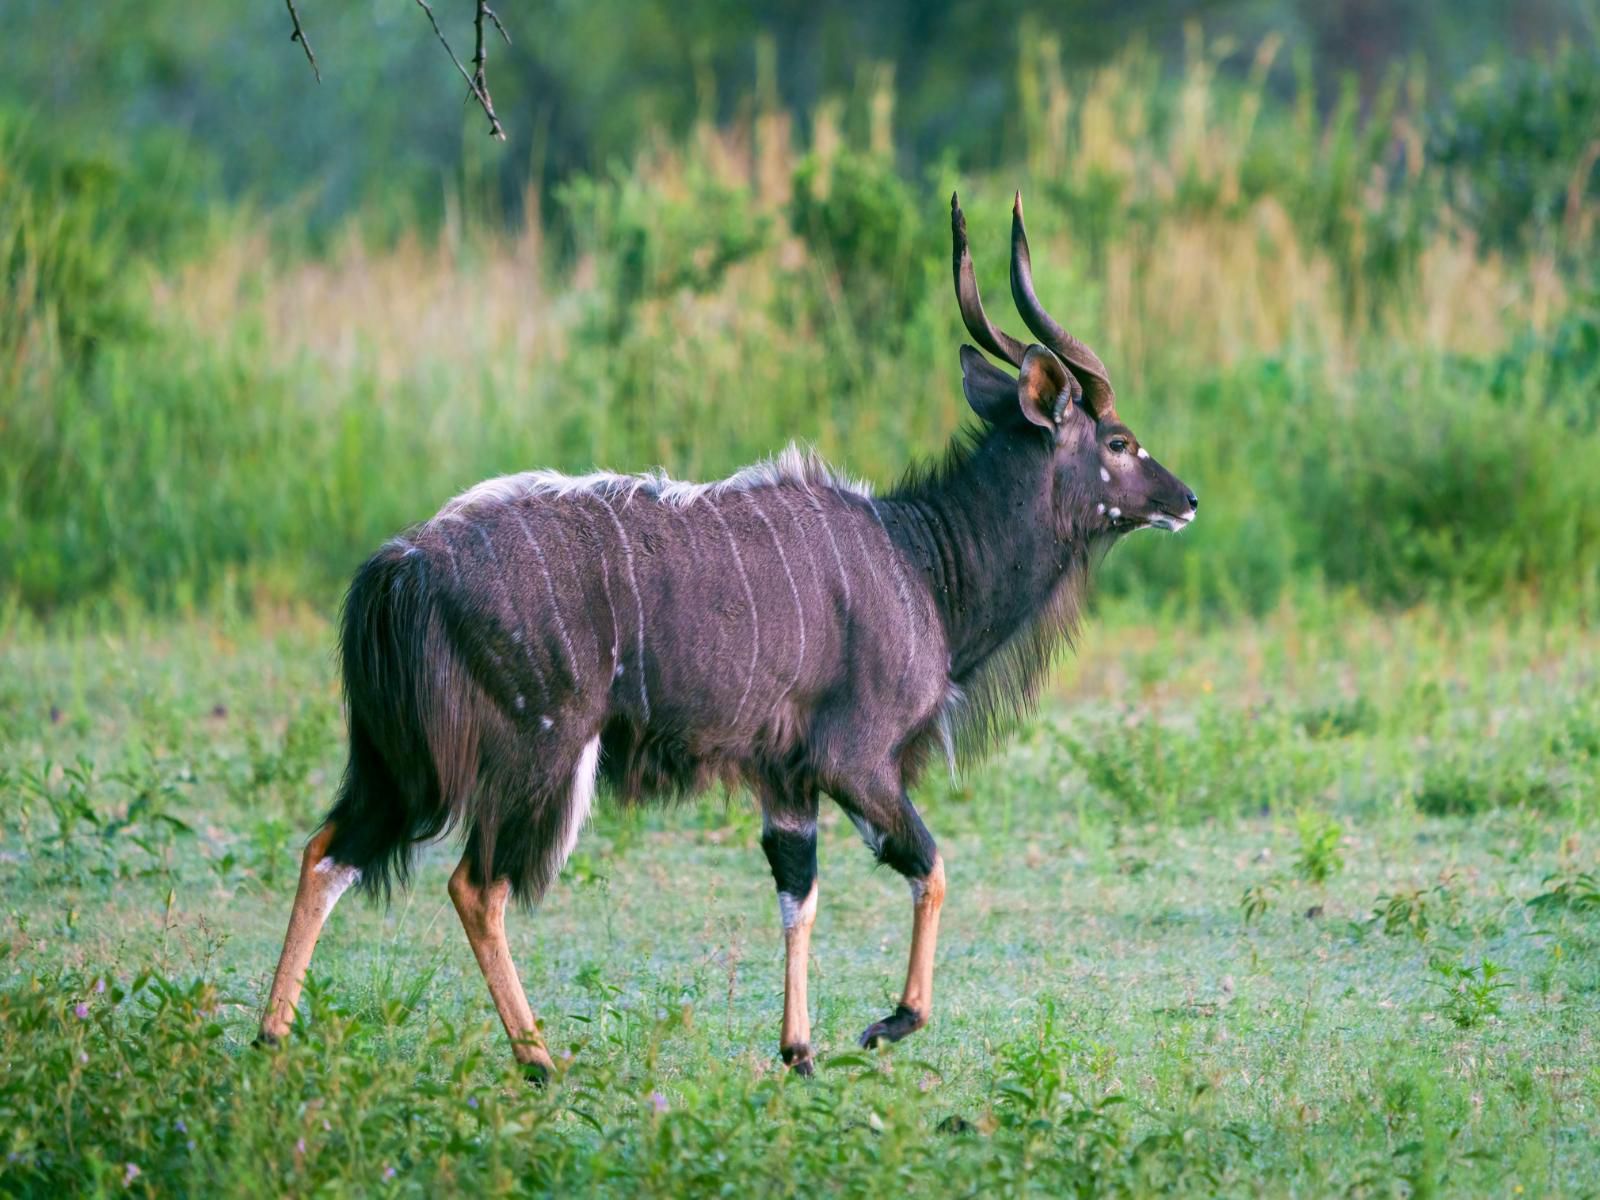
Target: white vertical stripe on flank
x,y
450,553
519,634
782,497
827,527
794,590
638,598
550,587
750,599
900,585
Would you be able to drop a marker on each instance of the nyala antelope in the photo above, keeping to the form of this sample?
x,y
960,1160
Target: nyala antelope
x,y
782,630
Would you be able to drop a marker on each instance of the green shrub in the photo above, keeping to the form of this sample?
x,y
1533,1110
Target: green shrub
x,y
865,223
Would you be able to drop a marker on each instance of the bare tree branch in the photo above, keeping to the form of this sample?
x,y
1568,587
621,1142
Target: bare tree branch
x,y
480,78
299,35
481,95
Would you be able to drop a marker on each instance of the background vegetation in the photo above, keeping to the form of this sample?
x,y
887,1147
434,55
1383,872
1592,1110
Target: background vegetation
x,y
1368,323
1290,888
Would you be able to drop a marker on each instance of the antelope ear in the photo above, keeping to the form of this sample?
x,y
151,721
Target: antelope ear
x,y
991,392
1045,390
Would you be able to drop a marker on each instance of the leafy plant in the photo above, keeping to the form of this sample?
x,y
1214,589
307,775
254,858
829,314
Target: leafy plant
x,y
1469,995
1319,859
1412,911
1578,892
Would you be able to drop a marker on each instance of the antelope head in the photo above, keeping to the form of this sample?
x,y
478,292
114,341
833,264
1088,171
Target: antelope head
x,y
1104,480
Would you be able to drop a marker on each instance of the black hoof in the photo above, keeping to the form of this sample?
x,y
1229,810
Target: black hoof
x,y
892,1028
536,1073
955,1125
798,1060
265,1041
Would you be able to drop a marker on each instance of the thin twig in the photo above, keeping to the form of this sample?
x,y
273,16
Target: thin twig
x,y
481,95
493,16
299,35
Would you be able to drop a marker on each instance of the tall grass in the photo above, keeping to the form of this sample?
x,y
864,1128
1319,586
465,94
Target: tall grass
x,y
1299,317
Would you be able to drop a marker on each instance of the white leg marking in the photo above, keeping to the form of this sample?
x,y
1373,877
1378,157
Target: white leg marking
x,y
797,911
579,804
794,590
638,599
550,587
750,598
919,887
340,879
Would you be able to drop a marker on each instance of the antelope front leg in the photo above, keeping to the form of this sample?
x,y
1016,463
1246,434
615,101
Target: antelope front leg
x,y
916,1002
322,882
482,909
890,825
790,842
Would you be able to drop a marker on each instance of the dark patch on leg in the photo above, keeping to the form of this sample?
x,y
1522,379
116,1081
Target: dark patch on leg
x,y
910,850
798,1059
265,1041
898,1024
792,854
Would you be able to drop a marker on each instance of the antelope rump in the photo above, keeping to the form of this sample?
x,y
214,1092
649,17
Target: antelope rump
x,y
782,630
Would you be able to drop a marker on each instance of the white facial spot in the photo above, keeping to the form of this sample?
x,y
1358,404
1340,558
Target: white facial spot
x,y
1143,453
1105,475
521,702
1115,513
1102,509
617,674
545,722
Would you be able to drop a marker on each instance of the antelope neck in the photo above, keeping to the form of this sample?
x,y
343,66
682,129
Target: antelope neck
x,y
982,533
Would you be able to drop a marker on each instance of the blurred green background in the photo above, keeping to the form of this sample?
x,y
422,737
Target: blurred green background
x,y
1339,257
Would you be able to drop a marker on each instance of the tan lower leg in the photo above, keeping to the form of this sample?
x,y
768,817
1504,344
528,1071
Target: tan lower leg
x,y
795,1042
322,881
482,911
929,893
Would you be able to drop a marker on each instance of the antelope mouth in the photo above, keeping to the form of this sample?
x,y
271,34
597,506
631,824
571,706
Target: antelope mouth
x,y
1168,521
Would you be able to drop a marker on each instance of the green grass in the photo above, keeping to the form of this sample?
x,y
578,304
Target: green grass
x,y
1391,1016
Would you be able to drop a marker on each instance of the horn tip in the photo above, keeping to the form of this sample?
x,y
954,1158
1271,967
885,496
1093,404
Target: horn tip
x,y
1016,204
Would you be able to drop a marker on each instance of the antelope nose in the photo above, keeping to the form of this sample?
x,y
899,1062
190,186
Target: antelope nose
x,y
1194,501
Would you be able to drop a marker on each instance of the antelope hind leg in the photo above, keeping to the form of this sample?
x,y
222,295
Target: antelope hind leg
x,y
322,882
482,909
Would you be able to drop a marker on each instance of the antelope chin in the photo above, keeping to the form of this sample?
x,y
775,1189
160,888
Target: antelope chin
x,y
1169,522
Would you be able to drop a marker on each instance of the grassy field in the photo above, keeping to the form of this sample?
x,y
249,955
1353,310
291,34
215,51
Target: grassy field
x,y
1291,888
1302,907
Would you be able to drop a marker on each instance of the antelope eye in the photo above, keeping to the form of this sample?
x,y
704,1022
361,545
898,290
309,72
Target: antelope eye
x,y
1118,444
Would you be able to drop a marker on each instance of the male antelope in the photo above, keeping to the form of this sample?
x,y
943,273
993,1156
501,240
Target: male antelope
x,y
781,628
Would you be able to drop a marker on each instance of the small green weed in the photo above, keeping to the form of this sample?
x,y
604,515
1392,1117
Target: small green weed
x,y
1319,859
1470,995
